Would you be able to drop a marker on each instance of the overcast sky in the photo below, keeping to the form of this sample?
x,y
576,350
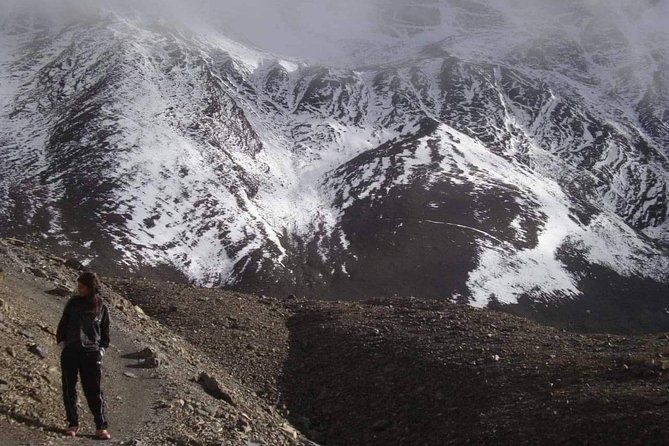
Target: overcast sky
x,y
337,30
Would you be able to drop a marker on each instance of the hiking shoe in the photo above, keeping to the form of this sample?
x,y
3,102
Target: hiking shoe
x,y
71,431
103,434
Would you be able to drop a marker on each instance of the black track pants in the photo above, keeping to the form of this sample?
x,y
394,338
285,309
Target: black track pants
x,y
74,363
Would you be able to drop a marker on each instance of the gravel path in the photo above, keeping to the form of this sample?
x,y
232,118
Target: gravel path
x,y
129,399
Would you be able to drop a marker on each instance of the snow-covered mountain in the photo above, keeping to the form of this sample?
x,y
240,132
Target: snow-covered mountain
x,y
456,153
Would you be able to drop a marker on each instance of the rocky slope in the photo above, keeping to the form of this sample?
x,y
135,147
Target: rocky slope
x,y
161,398
379,372
493,164
428,373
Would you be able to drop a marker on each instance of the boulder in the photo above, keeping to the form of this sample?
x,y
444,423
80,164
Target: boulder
x,y
211,386
146,352
147,358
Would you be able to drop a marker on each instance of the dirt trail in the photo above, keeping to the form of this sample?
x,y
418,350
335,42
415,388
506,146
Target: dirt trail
x,y
129,399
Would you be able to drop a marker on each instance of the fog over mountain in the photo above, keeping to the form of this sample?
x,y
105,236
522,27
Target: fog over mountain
x,y
473,151
336,31
339,31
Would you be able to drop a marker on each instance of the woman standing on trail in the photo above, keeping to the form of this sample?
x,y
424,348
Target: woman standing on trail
x,y
83,336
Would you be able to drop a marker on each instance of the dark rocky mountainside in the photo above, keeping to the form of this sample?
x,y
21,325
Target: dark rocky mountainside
x,y
380,372
421,372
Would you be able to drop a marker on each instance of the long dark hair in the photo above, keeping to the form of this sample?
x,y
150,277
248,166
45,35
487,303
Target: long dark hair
x,y
90,279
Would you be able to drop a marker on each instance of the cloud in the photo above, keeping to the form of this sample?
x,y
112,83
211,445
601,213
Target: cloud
x,y
350,32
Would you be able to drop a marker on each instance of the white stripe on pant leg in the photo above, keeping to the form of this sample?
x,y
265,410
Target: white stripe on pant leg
x,y
67,393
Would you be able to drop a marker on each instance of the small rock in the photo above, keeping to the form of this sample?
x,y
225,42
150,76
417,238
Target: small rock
x,y
244,425
129,374
163,404
140,312
60,290
27,334
290,431
11,352
664,364
56,259
47,329
74,264
38,272
37,350
381,425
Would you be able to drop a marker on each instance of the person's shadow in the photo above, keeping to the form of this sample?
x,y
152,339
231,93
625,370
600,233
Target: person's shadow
x,y
33,422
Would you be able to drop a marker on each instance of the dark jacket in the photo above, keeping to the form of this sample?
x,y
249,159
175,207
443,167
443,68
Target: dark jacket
x,y
80,327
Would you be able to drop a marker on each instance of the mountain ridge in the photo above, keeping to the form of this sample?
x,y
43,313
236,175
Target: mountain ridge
x,y
138,147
